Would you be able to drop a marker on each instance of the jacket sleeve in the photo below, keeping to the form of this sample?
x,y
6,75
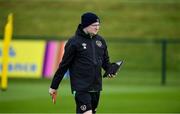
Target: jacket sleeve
x,y
68,56
106,62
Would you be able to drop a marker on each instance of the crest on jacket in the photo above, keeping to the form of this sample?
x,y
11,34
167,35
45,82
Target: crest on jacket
x,y
84,45
98,43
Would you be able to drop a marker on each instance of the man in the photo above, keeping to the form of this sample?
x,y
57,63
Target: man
x,y
85,54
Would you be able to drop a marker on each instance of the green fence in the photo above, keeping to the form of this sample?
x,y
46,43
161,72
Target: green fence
x,y
146,61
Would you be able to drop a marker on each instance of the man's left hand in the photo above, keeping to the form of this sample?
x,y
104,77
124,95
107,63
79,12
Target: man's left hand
x,y
112,75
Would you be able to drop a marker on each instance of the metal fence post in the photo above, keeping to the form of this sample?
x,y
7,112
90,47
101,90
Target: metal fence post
x,y
164,45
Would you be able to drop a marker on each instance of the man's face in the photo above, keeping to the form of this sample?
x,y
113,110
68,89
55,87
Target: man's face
x,y
93,28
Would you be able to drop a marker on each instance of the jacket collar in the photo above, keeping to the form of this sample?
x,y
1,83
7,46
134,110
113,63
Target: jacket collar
x,y
80,32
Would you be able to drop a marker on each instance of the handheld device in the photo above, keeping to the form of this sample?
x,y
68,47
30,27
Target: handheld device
x,y
113,68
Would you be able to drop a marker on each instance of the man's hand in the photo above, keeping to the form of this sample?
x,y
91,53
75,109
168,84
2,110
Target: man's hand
x,y
53,94
111,75
113,69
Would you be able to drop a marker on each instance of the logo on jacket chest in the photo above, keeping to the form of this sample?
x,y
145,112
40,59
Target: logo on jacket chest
x,y
84,45
98,43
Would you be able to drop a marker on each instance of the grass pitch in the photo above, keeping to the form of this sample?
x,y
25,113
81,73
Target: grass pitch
x,y
119,95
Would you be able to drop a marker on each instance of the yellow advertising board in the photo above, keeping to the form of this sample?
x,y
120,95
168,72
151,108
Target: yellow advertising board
x,y
25,58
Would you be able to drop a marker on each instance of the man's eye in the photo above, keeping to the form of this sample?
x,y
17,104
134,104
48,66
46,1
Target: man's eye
x,y
95,25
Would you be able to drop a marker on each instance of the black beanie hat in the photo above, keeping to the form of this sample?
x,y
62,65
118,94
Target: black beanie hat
x,y
89,18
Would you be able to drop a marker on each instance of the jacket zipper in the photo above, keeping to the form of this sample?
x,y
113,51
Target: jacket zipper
x,y
93,50
94,61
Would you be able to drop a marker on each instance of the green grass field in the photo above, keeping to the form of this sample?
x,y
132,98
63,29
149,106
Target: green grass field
x,y
149,19
124,94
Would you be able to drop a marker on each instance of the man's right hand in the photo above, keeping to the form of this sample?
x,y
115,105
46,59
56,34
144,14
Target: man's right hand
x,y
53,93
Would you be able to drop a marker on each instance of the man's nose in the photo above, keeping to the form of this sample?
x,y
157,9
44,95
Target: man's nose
x,y
97,27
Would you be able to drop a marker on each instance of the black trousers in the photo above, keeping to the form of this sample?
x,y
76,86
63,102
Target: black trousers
x,y
86,101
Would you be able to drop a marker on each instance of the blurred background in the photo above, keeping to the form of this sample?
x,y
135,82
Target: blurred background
x,y
143,33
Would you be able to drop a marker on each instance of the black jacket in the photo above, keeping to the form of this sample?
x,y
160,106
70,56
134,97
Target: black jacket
x,y
84,57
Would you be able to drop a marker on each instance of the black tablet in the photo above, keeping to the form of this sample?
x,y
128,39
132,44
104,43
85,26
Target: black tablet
x,y
113,68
